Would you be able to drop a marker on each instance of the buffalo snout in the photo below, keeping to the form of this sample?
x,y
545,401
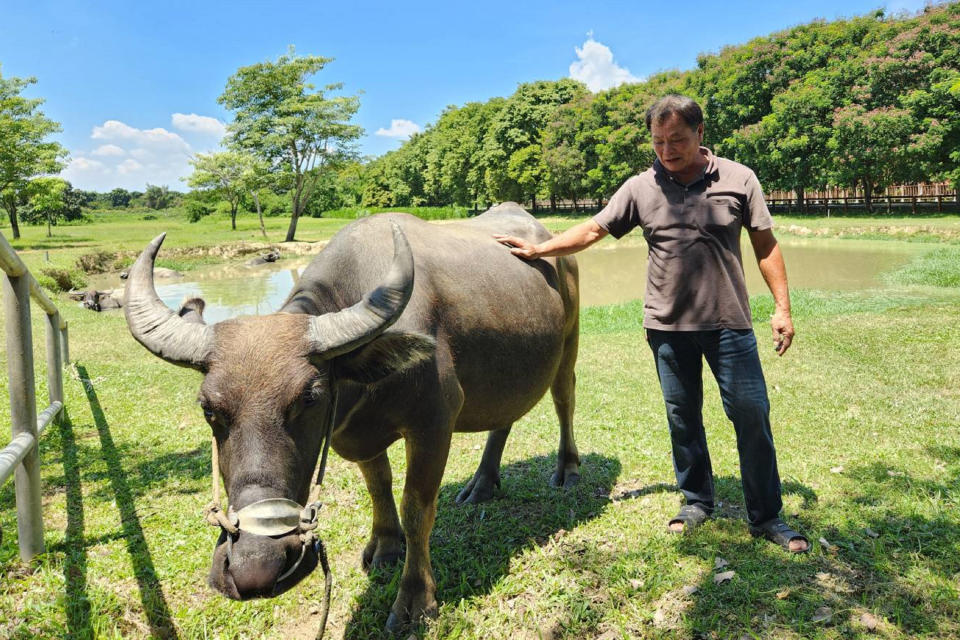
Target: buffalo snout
x,y
251,566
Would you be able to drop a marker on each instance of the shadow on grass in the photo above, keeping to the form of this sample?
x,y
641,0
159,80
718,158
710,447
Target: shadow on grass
x,y
151,593
471,545
890,557
75,546
153,476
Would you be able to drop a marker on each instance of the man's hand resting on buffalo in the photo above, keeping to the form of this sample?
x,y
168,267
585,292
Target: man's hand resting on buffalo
x,y
570,241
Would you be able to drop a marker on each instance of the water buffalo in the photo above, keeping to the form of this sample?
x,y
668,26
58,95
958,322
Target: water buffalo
x,y
100,300
471,344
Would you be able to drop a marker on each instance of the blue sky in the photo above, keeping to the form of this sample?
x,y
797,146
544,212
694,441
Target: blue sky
x,y
135,84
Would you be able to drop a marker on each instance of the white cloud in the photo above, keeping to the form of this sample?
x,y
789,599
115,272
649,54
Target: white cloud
x,y
156,139
81,164
204,125
108,150
400,129
128,157
129,166
596,67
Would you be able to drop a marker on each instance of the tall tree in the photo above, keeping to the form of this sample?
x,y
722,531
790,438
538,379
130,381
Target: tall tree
x,y
788,147
299,130
512,145
224,173
25,151
872,148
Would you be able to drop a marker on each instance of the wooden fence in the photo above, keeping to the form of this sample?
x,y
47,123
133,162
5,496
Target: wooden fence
x,y
21,457
878,204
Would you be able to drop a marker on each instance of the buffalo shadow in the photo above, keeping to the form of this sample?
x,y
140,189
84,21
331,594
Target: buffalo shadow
x,y
472,544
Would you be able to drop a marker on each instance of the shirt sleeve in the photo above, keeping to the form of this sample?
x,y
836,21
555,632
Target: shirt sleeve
x,y
757,216
622,212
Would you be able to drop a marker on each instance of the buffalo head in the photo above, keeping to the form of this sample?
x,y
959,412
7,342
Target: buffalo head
x,y
268,394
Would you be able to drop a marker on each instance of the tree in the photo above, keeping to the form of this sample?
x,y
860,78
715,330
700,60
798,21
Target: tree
x,y
255,178
871,147
157,197
517,129
223,173
298,130
788,147
24,151
119,197
52,199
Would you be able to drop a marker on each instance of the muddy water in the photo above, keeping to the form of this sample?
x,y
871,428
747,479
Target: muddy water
x,y
610,272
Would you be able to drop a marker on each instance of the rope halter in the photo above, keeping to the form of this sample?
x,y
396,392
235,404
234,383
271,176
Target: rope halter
x,y
275,517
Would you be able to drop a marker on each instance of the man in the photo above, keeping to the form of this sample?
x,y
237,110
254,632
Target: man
x,y
691,206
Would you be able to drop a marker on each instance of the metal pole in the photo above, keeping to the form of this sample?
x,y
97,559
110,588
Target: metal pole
x,y
54,363
23,412
64,346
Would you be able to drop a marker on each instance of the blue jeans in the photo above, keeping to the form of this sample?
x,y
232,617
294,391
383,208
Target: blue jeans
x,y
733,358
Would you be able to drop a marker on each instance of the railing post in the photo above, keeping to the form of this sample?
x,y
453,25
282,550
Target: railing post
x,y
23,411
54,362
64,346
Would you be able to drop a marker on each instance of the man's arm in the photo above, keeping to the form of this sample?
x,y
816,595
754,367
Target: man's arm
x,y
574,239
774,272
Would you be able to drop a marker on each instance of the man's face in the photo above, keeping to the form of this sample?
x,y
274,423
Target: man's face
x,y
677,145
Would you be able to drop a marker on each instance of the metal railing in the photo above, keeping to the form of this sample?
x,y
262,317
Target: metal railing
x,y
21,457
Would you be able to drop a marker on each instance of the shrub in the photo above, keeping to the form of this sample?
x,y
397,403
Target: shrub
x,y
197,209
57,280
98,262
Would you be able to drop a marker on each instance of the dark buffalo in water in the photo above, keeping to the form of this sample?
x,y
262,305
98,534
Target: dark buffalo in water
x,y
401,329
100,300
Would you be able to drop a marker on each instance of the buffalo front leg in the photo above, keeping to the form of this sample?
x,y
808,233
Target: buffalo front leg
x,y
563,391
480,487
386,537
426,459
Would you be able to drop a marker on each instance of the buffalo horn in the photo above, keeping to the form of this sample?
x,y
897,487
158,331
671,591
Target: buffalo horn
x,y
156,326
340,332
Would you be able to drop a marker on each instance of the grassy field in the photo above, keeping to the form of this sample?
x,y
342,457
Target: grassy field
x,y
866,407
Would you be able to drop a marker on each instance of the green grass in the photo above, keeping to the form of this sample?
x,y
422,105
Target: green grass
x,y
865,410
942,228
940,268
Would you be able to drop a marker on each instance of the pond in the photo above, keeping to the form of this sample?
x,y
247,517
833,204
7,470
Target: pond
x,y
610,272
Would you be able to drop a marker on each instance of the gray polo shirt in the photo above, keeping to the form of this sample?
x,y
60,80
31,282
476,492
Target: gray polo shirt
x,y
695,276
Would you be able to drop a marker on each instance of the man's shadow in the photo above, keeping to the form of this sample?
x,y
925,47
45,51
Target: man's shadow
x,y
472,545
856,564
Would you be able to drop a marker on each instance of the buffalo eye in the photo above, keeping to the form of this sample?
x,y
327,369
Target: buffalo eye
x,y
312,395
208,412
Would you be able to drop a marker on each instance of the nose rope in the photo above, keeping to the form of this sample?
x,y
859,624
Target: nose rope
x,y
306,528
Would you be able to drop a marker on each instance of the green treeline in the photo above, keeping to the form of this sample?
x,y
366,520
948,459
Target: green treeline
x,y
859,103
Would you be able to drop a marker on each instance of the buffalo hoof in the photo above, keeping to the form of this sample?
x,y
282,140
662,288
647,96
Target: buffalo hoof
x,y
565,480
400,616
381,551
479,489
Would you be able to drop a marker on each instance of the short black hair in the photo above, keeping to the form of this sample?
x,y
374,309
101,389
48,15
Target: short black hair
x,y
674,103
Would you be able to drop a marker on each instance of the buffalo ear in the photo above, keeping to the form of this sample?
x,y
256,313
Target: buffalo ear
x,y
192,310
389,353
